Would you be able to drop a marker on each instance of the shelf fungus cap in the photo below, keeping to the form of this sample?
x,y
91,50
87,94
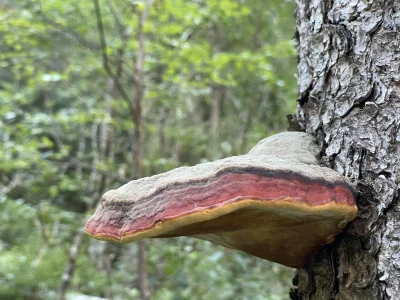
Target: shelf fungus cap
x,y
276,203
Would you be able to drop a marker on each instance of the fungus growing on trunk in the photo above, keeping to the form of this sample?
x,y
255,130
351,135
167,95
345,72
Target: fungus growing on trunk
x,y
276,203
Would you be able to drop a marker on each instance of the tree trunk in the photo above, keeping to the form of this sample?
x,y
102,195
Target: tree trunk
x,y
349,86
138,157
217,96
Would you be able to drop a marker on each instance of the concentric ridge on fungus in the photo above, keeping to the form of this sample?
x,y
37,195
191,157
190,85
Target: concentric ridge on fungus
x,y
275,202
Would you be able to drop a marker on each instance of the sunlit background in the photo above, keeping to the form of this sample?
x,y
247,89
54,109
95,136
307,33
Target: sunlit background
x,y
218,76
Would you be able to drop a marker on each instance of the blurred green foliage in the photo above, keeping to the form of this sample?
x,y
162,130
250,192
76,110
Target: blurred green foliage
x,y
57,100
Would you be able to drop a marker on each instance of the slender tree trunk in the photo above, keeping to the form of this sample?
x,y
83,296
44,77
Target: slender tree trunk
x,y
138,157
139,89
349,86
69,270
161,133
217,96
143,273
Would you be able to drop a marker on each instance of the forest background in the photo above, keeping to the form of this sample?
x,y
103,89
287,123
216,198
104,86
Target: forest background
x,y
213,76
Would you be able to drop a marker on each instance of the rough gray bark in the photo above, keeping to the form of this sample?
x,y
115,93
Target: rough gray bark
x,y
349,86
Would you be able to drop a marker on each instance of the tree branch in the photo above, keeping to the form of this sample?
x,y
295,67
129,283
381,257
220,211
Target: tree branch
x,y
70,32
12,184
68,272
117,20
106,65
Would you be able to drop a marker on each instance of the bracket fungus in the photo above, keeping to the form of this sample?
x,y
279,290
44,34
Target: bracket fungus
x,y
275,202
